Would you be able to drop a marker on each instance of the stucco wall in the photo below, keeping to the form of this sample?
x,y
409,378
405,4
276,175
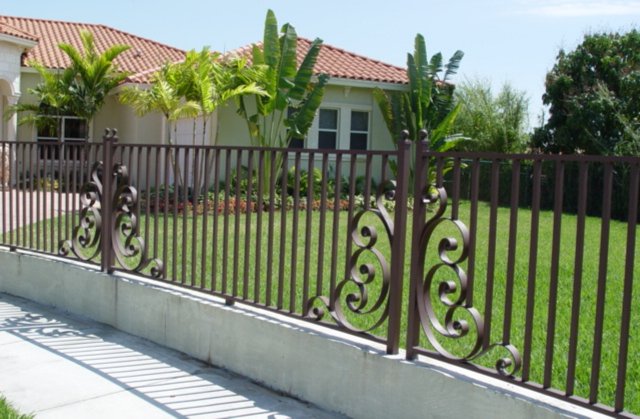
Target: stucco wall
x,y
336,371
10,64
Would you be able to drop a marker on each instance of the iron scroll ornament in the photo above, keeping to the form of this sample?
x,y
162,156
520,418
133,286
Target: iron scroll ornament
x,y
361,275
453,328
128,248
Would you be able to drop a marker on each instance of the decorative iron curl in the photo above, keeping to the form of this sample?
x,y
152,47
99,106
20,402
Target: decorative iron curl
x,y
87,235
362,275
124,224
452,293
125,243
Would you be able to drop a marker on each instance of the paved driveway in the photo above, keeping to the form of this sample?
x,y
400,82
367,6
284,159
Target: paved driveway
x,y
18,208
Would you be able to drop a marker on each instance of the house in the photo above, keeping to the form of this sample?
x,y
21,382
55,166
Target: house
x,y
349,114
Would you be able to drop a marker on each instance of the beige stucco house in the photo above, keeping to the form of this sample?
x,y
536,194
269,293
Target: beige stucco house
x,y
349,114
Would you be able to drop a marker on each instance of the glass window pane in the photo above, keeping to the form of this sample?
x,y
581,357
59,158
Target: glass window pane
x,y
359,121
358,141
75,128
328,119
327,140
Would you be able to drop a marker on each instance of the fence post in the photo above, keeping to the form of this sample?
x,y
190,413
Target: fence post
x,y
108,140
398,244
420,181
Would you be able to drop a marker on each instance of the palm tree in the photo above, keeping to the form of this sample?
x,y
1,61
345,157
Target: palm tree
x,y
95,76
289,108
163,96
429,105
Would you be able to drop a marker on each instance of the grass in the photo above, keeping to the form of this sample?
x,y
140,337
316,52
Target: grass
x,y
8,412
248,266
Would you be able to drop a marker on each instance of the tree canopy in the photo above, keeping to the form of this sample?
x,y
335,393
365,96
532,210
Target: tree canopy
x,y
593,95
492,122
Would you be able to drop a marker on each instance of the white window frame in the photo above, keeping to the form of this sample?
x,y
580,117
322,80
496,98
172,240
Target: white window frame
x,y
367,132
343,141
63,137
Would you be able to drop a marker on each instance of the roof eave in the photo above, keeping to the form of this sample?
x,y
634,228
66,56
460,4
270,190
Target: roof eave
x,y
369,84
25,43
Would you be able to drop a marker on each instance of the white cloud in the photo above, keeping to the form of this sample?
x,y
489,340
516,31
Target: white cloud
x,y
580,8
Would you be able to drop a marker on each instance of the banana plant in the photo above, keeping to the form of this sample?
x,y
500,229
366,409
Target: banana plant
x,y
428,104
292,99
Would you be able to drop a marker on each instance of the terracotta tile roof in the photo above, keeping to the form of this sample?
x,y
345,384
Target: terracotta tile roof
x,y
144,54
337,62
11,31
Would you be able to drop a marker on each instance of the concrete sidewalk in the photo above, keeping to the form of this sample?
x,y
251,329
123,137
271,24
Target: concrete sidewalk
x,y
56,365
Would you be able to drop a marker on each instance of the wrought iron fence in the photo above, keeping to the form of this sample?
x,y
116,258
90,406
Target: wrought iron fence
x,y
518,266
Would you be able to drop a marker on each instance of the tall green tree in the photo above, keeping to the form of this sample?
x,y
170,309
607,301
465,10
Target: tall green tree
x,y
428,104
163,96
292,99
95,75
496,123
593,95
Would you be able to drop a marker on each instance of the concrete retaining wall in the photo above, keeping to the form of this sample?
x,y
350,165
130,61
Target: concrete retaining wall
x,y
336,371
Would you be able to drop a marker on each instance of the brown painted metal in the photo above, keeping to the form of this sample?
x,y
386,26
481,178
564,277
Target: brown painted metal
x,y
531,279
555,262
625,323
398,240
327,290
596,359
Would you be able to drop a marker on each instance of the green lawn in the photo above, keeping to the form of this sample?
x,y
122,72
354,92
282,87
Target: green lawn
x,y
8,412
255,266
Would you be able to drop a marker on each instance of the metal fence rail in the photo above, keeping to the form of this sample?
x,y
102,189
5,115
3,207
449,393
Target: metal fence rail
x,y
518,266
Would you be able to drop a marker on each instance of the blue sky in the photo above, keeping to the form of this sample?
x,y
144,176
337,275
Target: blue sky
x,y
504,41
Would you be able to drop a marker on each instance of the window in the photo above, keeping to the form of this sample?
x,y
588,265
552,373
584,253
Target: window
x,y
359,135
328,129
73,130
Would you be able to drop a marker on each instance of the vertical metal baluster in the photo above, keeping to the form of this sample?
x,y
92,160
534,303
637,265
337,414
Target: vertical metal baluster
x,y
308,224
555,267
455,198
294,234
247,229
336,230
270,244
185,211
176,188
156,200
533,258
258,235
511,255
602,283
225,232
216,215
627,300
350,212
473,228
23,183
283,227
491,252
583,182
194,215
31,180
147,188
323,223
205,218
398,245
165,210
39,198
236,224
367,181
